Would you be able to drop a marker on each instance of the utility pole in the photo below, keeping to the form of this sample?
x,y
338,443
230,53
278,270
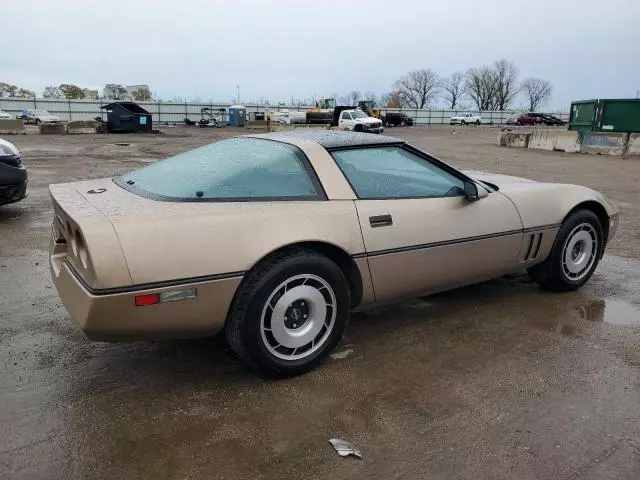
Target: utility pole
x,y
238,97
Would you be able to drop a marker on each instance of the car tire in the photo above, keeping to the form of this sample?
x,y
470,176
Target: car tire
x,y
357,128
575,254
295,285
477,122
38,121
462,122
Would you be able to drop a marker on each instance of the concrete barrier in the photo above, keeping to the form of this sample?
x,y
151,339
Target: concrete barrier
x,y
566,141
633,144
82,126
52,128
12,127
543,139
514,139
604,143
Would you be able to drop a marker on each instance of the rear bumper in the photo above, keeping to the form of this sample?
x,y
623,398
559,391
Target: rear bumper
x,y
106,316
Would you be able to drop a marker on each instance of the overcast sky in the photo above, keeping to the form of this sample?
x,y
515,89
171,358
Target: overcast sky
x,y
294,48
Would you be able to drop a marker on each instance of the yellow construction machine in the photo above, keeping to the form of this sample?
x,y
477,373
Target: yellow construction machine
x,y
369,107
322,112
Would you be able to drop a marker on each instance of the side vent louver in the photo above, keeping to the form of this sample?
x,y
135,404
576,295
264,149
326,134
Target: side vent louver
x,y
533,246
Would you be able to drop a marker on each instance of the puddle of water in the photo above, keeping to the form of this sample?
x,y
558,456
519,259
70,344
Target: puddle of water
x,y
572,320
611,310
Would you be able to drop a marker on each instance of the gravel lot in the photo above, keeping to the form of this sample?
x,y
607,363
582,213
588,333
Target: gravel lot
x,y
499,380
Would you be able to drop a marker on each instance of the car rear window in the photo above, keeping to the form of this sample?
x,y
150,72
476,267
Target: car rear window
x,y
237,169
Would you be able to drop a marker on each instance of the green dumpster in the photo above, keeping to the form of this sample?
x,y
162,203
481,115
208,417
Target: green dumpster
x,y
606,115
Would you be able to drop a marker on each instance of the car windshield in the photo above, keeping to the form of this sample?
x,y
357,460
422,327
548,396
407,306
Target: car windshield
x,y
238,169
358,114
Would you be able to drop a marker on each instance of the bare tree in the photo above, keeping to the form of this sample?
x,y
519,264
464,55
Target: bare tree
x,y
392,99
142,94
480,85
71,91
418,88
8,90
506,77
52,92
25,93
351,98
537,91
453,89
370,96
114,91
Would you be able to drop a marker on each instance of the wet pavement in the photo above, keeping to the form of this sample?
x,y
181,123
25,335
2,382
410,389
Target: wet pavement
x,y
499,380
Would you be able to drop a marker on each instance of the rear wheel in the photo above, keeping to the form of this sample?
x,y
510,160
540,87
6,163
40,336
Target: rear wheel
x,y
290,312
575,253
477,122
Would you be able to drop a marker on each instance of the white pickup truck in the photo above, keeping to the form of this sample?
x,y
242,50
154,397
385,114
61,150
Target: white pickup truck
x,y
358,121
465,119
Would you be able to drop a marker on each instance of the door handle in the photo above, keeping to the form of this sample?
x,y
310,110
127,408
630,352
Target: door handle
x,y
381,221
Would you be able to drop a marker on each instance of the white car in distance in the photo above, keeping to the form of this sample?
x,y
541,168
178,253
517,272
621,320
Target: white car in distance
x,y
465,119
38,116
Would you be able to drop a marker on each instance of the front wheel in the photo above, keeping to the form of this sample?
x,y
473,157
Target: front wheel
x,y
38,121
463,122
575,254
289,314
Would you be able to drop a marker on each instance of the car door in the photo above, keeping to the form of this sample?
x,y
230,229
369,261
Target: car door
x,y
345,121
421,233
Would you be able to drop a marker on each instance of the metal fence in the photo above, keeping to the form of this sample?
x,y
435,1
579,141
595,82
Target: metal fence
x,y
175,113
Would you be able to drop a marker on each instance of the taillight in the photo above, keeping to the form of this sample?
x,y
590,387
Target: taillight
x,y
170,296
149,299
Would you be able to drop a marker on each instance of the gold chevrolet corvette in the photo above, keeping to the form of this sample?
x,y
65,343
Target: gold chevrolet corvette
x,y
276,238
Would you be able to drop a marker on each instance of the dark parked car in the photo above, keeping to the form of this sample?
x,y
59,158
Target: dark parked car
x,y
13,175
551,120
533,118
394,119
530,118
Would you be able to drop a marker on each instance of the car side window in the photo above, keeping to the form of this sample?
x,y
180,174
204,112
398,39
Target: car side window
x,y
394,172
346,116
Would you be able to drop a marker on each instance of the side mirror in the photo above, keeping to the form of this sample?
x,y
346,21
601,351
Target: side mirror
x,y
471,191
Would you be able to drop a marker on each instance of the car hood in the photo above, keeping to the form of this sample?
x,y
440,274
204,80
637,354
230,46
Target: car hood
x,y
368,120
542,203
